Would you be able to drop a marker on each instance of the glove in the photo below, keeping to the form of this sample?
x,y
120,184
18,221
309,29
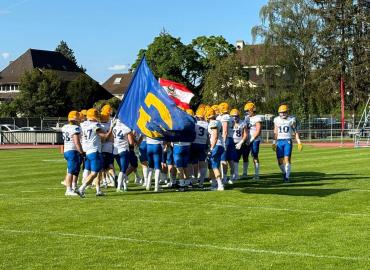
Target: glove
x,y
273,147
300,147
239,145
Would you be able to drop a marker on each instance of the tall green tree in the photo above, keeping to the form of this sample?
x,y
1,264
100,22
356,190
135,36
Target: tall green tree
x,y
64,49
290,24
169,58
344,42
212,48
42,93
226,81
82,92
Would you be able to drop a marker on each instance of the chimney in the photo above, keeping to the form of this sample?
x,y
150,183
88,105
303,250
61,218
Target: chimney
x,y
239,45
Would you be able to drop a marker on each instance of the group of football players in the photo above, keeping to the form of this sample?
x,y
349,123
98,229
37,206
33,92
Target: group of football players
x,y
93,141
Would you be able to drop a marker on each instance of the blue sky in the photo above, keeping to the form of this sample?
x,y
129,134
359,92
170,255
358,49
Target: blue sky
x,y
107,35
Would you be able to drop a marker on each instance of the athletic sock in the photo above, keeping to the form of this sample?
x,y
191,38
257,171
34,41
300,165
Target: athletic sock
x,y
245,168
236,170
287,170
282,168
256,169
85,174
120,180
149,179
157,174
124,182
145,174
97,188
202,172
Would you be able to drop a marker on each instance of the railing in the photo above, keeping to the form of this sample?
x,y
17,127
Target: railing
x,y
31,137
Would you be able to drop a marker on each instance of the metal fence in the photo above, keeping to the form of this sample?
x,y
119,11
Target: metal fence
x,y
42,123
314,130
31,137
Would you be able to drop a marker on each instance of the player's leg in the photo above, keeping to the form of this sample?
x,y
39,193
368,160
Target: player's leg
x,y
280,156
124,162
245,155
287,157
143,157
202,156
215,162
157,158
255,151
95,166
150,157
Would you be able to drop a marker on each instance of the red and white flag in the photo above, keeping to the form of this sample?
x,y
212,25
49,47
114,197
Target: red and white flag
x,y
177,92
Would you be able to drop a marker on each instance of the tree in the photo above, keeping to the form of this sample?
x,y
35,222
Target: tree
x,y
64,49
114,102
169,58
210,49
82,92
344,53
291,24
227,82
42,93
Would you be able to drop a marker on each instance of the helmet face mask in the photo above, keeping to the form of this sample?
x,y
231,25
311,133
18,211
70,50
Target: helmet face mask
x,y
283,115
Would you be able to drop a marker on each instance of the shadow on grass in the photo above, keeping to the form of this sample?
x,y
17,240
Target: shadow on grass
x,y
302,184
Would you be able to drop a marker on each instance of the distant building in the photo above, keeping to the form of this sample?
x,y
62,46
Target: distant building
x,y
260,62
42,60
117,84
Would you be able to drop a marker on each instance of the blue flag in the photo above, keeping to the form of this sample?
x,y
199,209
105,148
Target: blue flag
x,y
147,109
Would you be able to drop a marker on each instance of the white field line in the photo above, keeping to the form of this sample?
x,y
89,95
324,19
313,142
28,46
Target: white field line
x,y
191,245
216,205
54,160
221,205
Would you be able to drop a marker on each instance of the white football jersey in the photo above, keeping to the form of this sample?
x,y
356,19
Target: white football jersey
x,y
68,131
238,131
107,146
83,140
93,140
251,122
284,127
216,124
201,130
120,132
230,123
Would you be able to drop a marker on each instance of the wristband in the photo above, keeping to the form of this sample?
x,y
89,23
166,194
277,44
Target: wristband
x,y
273,141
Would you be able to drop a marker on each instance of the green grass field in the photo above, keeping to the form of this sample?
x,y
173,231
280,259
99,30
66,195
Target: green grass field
x,y
319,221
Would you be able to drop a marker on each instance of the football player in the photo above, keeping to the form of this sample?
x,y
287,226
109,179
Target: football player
x,y
72,151
123,139
94,135
227,136
216,148
198,152
86,165
143,157
284,128
239,137
154,155
133,161
254,126
107,150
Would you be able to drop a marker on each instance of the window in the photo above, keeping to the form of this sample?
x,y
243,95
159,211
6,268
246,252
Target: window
x,y
117,80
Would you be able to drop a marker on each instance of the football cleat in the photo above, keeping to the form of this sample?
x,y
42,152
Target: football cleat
x,y
70,193
100,194
80,193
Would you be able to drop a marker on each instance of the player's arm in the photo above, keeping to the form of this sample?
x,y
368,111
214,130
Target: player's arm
x,y
298,140
224,130
257,132
214,138
104,135
77,142
130,139
275,137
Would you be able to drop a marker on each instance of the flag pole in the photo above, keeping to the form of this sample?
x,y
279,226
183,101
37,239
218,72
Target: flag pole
x,y
342,107
129,86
